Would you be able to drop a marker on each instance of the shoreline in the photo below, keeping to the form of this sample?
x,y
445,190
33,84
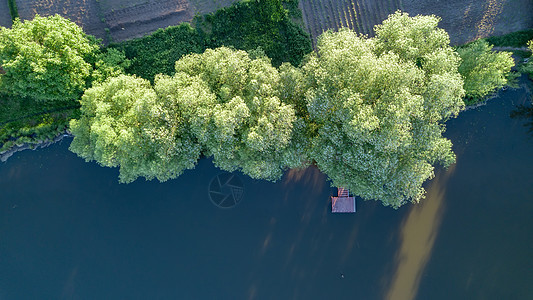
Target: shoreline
x,y
5,155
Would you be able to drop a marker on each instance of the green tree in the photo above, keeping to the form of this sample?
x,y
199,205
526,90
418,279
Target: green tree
x,y
125,124
45,58
109,62
378,106
249,127
528,66
483,70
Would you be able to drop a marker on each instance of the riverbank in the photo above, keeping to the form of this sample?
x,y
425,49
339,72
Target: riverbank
x,y
4,155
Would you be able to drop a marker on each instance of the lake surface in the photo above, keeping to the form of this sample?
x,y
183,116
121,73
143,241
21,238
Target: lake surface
x,y
68,230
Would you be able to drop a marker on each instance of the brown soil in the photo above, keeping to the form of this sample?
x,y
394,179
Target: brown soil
x,y
467,20
85,13
5,17
359,15
141,19
464,20
116,20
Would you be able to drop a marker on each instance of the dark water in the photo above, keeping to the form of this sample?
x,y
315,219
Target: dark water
x,y
68,230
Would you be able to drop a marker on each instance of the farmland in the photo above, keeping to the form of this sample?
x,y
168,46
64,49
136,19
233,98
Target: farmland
x,y
209,6
464,20
118,20
85,13
359,15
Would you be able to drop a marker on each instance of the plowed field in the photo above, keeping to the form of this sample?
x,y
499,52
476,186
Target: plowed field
x,y
85,13
359,15
116,20
465,20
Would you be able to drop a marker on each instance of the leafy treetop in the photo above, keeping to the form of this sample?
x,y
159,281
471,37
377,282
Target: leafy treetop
x,y
45,58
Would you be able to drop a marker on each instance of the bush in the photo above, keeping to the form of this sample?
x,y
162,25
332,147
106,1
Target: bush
x,y
256,23
45,58
157,53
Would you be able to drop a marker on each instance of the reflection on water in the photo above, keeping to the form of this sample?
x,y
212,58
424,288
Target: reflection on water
x,y
418,233
70,285
524,112
67,226
310,176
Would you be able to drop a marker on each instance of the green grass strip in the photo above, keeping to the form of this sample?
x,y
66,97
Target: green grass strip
x,y
13,10
515,39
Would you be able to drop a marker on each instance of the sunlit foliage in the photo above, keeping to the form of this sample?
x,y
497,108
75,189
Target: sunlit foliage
x,y
249,128
369,112
483,70
379,105
45,58
125,124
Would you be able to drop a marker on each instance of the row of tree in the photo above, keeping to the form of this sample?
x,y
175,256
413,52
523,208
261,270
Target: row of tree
x,y
369,112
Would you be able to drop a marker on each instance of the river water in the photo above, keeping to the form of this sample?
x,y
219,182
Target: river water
x,y
68,230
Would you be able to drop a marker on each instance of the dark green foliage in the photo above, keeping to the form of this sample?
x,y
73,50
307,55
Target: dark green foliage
x,y
292,7
245,26
257,23
158,52
515,39
21,121
13,10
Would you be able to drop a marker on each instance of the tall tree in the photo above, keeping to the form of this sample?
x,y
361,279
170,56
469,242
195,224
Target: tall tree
x,y
483,70
379,105
125,124
45,58
249,127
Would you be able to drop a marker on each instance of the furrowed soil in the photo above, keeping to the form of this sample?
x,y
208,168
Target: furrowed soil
x,y
135,18
85,13
464,20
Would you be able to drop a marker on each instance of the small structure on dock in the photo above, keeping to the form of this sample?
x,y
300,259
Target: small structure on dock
x,y
343,203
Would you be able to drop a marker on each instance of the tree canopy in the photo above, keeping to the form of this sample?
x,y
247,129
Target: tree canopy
x,y
249,127
45,58
483,70
369,112
221,102
379,104
125,124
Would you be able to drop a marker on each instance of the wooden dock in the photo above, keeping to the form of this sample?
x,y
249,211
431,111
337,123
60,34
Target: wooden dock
x,y
343,203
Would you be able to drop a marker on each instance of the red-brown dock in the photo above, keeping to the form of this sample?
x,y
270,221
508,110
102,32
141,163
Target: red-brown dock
x,y
343,203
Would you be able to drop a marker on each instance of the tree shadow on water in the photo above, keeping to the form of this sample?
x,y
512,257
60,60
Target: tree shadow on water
x,y
524,112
